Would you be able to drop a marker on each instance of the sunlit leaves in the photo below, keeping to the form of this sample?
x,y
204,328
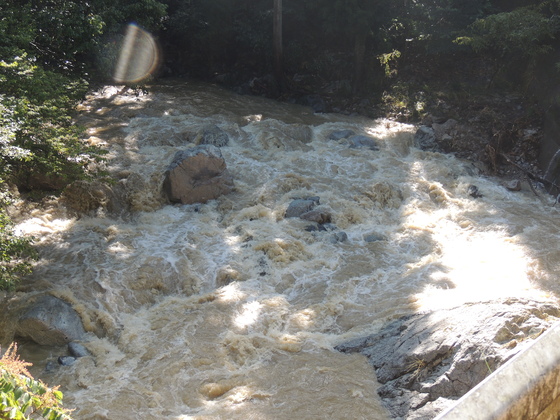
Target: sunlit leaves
x,y
22,396
524,32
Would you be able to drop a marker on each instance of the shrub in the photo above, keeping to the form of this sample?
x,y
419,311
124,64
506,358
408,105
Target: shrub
x,y
22,396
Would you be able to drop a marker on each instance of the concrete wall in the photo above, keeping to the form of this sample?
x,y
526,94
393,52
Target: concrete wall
x,y
525,388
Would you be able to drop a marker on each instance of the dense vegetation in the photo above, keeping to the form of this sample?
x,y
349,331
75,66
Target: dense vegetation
x,y
387,52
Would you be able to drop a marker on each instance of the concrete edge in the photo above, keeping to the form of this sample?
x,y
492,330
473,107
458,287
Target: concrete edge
x,y
526,387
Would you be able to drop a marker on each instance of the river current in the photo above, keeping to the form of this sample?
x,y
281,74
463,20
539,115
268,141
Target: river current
x,y
229,310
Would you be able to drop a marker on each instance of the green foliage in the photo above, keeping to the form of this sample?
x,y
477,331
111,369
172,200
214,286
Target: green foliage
x,y
57,33
387,61
524,32
15,254
22,396
37,136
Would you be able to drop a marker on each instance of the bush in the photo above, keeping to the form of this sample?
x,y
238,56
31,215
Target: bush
x,y
22,397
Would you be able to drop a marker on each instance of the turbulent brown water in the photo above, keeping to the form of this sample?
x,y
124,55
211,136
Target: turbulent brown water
x,y
228,310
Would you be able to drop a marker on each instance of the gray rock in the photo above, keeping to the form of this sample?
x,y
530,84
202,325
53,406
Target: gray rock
x,y
214,135
66,360
300,206
197,175
316,227
340,134
374,237
473,191
338,237
359,142
446,130
425,360
51,366
50,321
78,350
425,139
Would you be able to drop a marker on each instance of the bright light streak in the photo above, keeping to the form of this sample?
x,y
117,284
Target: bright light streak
x,y
138,57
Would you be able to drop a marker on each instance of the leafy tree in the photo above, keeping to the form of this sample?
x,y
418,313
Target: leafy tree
x,y
524,32
519,36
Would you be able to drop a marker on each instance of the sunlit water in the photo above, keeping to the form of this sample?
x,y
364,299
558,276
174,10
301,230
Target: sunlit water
x,y
228,310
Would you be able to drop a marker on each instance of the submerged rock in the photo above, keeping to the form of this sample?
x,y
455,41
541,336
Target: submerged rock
x,y
78,350
338,237
374,237
301,206
66,360
424,361
50,321
362,142
197,175
319,216
340,134
214,135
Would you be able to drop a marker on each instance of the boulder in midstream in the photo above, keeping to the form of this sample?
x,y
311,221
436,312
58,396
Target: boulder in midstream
x,y
50,321
425,361
197,175
301,206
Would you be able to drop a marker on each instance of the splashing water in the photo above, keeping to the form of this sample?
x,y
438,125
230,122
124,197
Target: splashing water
x,y
229,310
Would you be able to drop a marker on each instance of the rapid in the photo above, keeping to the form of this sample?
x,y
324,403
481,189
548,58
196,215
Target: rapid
x,y
229,310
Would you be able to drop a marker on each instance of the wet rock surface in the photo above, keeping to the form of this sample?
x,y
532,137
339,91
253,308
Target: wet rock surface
x,y
50,321
214,135
301,206
365,142
197,175
85,197
425,361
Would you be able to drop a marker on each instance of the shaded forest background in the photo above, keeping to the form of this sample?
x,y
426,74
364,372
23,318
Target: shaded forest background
x,y
490,61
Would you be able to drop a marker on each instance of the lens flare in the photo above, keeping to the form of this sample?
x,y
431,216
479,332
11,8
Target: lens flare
x,y
138,56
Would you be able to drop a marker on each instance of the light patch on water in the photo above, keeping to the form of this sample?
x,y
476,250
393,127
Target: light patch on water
x,y
229,310
249,314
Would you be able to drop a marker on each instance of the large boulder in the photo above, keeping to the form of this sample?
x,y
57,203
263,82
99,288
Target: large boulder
x,y
197,175
86,197
50,321
425,361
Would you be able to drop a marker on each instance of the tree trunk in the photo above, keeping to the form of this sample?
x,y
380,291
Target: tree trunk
x,y
277,41
359,61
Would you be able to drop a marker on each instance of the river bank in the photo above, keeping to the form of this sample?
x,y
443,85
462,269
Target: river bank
x,y
232,309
